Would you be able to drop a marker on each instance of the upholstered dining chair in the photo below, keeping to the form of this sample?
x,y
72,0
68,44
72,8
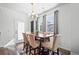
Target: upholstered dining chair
x,y
33,44
53,44
26,43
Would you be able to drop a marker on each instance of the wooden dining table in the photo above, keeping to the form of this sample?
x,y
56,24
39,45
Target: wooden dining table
x,y
41,38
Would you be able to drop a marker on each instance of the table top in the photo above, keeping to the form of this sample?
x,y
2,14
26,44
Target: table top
x,y
42,35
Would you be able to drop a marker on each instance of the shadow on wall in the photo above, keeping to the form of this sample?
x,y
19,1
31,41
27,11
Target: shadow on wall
x,y
11,42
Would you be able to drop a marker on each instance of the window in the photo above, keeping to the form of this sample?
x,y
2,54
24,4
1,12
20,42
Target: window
x,y
50,22
43,23
46,23
40,23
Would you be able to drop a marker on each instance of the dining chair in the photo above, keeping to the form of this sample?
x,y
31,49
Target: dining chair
x,y
26,43
53,44
34,45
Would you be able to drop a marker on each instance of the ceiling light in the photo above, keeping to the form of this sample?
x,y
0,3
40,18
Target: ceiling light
x,y
33,14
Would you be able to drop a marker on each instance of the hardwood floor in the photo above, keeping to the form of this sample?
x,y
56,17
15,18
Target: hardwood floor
x,y
19,48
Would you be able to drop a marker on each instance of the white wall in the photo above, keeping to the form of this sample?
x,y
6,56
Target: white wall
x,y
68,24
8,24
65,26
68,21
74,27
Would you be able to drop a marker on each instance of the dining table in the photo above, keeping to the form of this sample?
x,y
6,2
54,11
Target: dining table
x,y
41,38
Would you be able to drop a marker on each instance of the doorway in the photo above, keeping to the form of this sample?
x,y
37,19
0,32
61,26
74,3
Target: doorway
x,y
20,30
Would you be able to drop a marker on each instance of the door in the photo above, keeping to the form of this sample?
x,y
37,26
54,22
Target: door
x,y
20,30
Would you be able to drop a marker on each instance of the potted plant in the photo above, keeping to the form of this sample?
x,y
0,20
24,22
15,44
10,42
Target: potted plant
x,y
37,32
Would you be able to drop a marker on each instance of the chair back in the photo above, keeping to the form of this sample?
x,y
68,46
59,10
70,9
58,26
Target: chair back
x,y
25,38
31,39
51,42
56,42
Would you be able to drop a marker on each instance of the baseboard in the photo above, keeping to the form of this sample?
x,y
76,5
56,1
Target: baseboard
x,y
73,53
65,51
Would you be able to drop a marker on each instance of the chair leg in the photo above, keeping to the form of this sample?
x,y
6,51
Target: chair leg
x,y
48,51
24,46
26,49
43,50
34,51
37,51
29,50
58,51
52,52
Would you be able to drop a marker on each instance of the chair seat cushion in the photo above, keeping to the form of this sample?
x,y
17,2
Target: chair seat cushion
x,y
48,45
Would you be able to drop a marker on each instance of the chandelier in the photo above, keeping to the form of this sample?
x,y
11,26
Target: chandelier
x,y
33,14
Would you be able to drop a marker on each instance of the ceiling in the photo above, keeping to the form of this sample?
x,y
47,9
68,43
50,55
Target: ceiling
x,y
27,7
